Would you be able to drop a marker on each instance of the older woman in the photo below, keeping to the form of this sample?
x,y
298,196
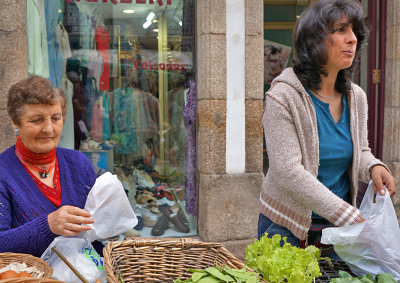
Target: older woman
x,y
43,189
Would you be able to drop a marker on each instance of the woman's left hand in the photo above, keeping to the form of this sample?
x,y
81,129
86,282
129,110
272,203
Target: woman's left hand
x,y
381,177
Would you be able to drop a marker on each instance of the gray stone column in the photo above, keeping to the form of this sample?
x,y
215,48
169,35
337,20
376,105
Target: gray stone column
x,y
391,131
13,59
228,202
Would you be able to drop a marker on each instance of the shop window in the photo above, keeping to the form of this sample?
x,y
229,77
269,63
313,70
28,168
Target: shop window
x,y
126,67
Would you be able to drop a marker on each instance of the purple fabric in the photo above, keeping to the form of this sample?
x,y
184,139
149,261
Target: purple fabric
x,y
189,112
24,208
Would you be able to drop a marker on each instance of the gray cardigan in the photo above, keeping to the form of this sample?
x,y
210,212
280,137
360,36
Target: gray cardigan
x,y
291,190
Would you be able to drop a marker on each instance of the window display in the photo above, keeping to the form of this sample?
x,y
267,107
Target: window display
x,y
126,68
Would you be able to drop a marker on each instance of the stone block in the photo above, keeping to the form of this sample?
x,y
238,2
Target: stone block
x,y
238,248
254,67
228,206
13,46
7,136
392,83
211,138
395,168
393,42
391,135
211,17
393,17
12,16
254,136
11,72
254,17
211,67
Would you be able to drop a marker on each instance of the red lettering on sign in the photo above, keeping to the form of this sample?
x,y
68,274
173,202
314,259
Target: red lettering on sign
x,y
125,1
155,66
91,1
140,1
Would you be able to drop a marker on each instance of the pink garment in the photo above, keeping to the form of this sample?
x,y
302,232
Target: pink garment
x,y
102,39
97,122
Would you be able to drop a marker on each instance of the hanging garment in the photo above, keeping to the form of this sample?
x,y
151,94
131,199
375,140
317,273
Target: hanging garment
x,y
106,134
97,120
38,60
64,47
91,96
71,23
102,39
189,112
95,66
52,17
67,138
124,122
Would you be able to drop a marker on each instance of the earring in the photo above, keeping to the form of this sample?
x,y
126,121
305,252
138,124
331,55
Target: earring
x,y
16,132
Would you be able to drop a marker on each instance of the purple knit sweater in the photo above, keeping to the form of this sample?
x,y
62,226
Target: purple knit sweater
x,y
24,208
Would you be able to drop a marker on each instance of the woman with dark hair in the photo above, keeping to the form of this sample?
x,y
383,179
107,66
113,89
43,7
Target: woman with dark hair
x,y
315,123
43,188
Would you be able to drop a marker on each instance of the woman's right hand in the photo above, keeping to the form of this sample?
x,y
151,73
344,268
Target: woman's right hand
x,y
68,220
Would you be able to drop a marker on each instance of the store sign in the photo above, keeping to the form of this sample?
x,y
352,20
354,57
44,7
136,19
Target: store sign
x,y
159,66
160,2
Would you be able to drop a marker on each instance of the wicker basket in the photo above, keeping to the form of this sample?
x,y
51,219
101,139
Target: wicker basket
x,y
29,260
30,280
162,260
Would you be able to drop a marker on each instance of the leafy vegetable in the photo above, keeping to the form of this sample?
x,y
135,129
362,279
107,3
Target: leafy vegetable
x,y
221,274
344,277
283,264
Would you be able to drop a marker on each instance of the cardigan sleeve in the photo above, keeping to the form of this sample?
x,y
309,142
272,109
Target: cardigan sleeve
x,y
286,166
367,159
33,237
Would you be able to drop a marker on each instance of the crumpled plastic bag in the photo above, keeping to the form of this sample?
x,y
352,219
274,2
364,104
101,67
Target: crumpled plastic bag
x,y
109,206
81,254
374,245
113,215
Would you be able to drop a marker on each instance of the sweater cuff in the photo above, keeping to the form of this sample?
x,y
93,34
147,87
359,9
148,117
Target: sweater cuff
x,y
347,215
44,229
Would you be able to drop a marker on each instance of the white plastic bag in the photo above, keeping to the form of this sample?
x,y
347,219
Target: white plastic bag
x,y
109,206
374,245
112,213
81,254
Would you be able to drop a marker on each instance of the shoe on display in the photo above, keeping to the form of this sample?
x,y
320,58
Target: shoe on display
x,y
160,227
142,181
175,219
149,219
139,226
84,146
104,146
132,233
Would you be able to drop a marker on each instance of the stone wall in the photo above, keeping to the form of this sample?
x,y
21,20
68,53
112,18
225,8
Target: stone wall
x,y
391,131
13,60
228,202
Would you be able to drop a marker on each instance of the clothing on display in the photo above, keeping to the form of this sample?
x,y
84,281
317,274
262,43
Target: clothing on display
x,y
38,55
102,39
125,115
67,138
189,113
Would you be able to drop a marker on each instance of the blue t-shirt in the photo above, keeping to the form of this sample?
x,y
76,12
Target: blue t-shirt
x,y
335,148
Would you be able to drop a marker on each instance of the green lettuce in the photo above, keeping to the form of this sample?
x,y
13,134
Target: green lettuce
x,y
283,264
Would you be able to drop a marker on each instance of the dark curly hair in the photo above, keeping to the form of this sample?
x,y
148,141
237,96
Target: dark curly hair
x,y
312,28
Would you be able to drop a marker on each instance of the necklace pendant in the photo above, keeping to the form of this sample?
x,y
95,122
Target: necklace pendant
x,y
43,174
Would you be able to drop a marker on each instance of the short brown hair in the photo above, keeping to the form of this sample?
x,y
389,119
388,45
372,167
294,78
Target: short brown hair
x,y
33,90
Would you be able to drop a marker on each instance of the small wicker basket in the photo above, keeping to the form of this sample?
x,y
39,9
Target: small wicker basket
x,y
30,261
30,280
162,260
